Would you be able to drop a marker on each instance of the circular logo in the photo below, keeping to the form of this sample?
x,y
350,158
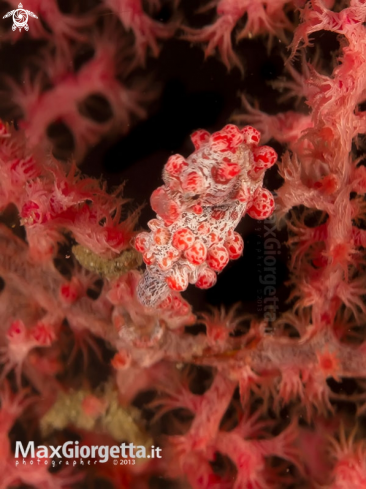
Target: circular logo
x,y
20,19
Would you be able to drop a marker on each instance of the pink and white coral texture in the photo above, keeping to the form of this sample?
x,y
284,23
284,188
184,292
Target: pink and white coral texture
x,y
102,340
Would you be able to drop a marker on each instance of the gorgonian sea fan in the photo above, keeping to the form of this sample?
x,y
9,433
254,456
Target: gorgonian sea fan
x,y
266,402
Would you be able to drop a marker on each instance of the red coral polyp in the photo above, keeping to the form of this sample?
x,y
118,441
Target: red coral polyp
x,y
32,213
175,165
165,207
227,140
224,172
183,239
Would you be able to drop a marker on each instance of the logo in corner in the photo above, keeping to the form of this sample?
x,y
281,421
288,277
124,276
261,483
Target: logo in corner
x,y
20,18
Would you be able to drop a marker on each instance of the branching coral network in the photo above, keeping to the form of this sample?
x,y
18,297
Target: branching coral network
x,y
234,401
